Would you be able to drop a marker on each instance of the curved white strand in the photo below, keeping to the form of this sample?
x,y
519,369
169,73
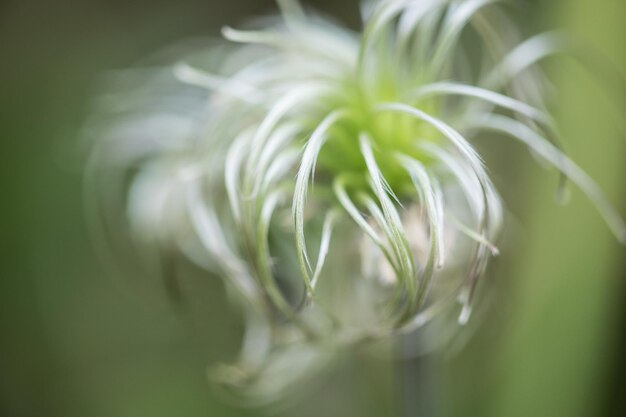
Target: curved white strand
x,y
451,88
231,86
232,170
399,241
551,154
309,157
327,230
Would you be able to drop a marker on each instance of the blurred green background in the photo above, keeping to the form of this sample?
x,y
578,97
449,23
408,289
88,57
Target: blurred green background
x,y
75,342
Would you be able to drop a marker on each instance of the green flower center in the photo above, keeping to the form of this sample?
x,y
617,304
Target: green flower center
x,y
391,134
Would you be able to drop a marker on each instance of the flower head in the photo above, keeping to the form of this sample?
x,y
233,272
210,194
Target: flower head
x,y
330,177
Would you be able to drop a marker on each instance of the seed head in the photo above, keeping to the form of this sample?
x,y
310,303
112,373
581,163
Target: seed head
x,y
329,177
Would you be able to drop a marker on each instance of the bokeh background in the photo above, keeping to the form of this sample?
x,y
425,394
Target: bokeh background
x,y
77,342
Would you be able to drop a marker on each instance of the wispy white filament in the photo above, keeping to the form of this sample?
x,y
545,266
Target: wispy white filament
x,y
306,136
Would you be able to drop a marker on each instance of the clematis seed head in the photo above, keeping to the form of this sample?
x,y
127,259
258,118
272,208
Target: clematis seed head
x,y
330,177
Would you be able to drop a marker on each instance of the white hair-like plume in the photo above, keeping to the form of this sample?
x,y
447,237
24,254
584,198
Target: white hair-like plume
x,y
329,176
